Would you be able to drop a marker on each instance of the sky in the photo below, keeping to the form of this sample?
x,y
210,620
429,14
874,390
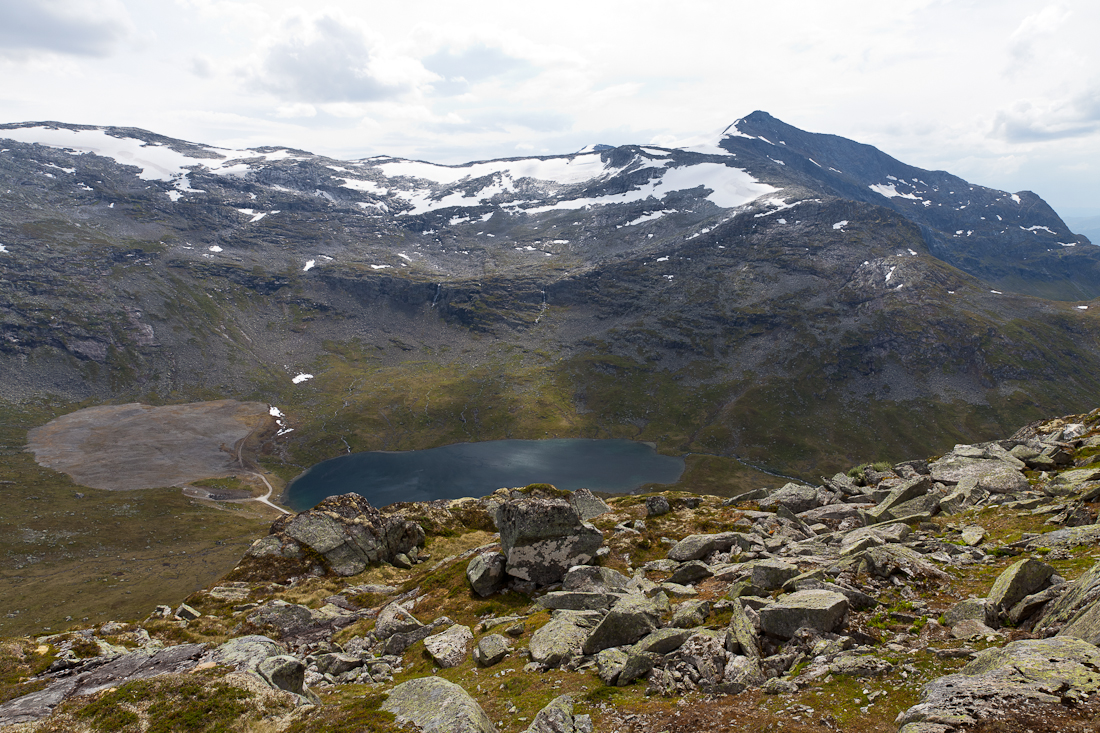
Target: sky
x,y
1005,93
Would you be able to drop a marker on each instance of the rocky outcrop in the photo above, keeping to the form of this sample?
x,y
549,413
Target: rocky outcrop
x,y
346,531
542,538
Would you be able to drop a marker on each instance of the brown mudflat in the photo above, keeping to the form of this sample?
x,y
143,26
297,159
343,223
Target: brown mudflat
x,y
135,446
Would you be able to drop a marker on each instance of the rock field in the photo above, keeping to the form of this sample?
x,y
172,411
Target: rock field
x,y
934,596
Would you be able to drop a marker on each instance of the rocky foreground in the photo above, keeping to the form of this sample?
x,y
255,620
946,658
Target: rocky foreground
x,y
933,596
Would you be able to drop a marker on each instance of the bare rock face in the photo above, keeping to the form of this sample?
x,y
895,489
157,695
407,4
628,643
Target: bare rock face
x,y
349,533
543,538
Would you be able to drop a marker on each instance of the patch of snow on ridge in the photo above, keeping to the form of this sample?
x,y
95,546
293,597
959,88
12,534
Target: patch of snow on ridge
x,y
1015,198
891,273
565,170
4,250
729,188
840,225
380,267
301,378
890,191
1082,307
1036,228
215,248
310,264
649,217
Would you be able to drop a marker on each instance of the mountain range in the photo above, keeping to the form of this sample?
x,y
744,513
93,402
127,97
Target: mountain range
x,y
763,294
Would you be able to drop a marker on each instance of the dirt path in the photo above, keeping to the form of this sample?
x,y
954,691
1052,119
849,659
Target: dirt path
x,y
266,498
134,446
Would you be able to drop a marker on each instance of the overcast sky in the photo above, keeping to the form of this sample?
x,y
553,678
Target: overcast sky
x,y
1005,93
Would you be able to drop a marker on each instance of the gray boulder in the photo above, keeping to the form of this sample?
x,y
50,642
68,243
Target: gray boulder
x,y
991,474
448,648
1020,579
744,671
741,636
971,609
543,538
655,506
562,638
491,649
434,705
1003,682
690,573
394,619
628,621
772,574
638,664
698,546
350,534
609,664
595,579
284,672
557,717
1078,598
485,573
662,641
245,653
796,497
822,610
577,601
690,614
587,505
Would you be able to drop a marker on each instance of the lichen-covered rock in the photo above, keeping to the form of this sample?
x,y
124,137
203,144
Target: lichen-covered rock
x,y
435,705
662,641
562,638
543,538
1081,594
348,533
690,614
578,600
822,610
976,609
1020,579
588,505
557,717
698,546
741,636
609,664
448,648
246,652
485,572
772,574
491,649
284,672
1001,681
628,621
991,474
595,579
655,506
796,497
394,619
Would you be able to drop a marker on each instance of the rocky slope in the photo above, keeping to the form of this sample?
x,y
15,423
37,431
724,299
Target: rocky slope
x,y
768,294
956,593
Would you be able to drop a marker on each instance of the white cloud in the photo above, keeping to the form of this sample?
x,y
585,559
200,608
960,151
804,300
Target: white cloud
x,y
68,27
331,58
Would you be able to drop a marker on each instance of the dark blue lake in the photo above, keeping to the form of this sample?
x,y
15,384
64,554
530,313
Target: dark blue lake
x,y
477,469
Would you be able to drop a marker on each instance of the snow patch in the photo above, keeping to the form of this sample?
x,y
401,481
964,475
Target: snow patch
x,y
662,259
301,378
840,225
4,250
380,267
309,265
1014,197
998,292
275,412
1082,307
649,217
891,273
215,248
890,191
1036,228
